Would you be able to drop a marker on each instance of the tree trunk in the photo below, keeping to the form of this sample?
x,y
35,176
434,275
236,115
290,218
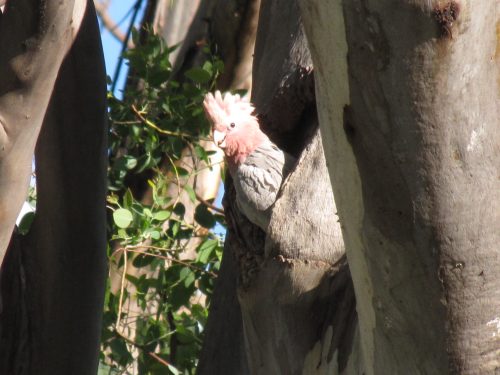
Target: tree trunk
x,y
33,45
53,279
172,20
409,103
293,284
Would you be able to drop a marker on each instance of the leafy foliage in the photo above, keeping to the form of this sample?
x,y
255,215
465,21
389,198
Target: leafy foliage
x,y
157,296
28,217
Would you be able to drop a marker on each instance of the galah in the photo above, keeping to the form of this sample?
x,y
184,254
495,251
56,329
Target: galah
x,y
256,164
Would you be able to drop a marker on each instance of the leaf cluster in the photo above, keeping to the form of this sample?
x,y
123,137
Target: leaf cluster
x,y
157,297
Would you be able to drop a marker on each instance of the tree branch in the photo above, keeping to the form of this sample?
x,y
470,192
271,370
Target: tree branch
x,y
109,23
209,205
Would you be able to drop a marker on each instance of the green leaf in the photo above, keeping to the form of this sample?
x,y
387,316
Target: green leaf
x,y
223,174
219,66
190,191
182,172
207,66
107,370
173,370
205,250
161,215
25,224
128,199
180,291
198,75
129,161
221,219
122,217
175,228
147,212
155,235
201,153
180,210
119,352
145,161
142,260
187,276
204,217
158,78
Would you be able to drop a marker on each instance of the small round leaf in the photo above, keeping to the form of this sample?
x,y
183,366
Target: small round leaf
x,y
122,217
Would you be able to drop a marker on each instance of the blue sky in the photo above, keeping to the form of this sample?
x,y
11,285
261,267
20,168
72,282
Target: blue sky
x,y
121,12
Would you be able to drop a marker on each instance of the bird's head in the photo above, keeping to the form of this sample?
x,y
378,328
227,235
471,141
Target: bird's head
x,y
235,128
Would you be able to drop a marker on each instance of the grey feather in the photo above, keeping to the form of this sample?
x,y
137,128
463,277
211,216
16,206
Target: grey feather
x,y
258,180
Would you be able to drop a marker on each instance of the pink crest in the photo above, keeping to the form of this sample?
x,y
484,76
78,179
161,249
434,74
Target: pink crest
x,y
221,110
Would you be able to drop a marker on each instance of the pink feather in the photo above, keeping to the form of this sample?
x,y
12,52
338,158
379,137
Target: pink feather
x,y
256,164
245,136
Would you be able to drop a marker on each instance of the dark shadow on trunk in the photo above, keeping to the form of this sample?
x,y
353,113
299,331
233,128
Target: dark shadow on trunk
x,y
54,278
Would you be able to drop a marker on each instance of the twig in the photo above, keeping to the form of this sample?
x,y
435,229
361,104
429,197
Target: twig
x,y
155,127
126,122
122,288
177,178
141,347
138,247
134,11
209,205
109,24
171,259
158,358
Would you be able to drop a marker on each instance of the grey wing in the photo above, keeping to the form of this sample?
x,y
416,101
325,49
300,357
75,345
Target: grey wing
x,y
257,186
259,178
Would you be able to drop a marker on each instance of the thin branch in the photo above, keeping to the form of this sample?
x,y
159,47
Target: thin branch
x,y
109,24
149,123
122,288
171,259
138,247
126,122
209,205
176,172
134,11
158,358
141,347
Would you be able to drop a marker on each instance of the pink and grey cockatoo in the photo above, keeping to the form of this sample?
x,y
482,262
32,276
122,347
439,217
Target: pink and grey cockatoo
x,y
256,164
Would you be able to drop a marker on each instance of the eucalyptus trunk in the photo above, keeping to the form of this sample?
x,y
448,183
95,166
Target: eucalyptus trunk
x,y
408,103
409,107
278,290
52,93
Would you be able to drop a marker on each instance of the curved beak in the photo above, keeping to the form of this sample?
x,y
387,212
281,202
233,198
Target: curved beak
x,y
220,138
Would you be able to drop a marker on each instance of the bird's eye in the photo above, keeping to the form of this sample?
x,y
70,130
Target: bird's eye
x,y
232,125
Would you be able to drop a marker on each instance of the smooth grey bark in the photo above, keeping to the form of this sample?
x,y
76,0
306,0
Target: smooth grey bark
x,y
53,279
228,27
293,284
33,45
409,108
172,21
